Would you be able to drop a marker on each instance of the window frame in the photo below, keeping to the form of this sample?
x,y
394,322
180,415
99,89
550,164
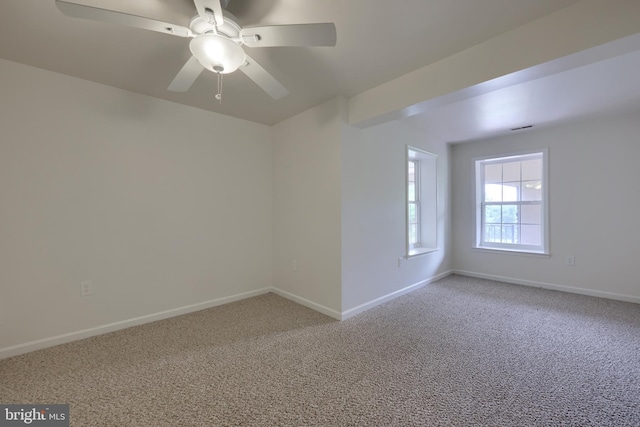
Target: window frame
x,y
480,203
426,185
416,203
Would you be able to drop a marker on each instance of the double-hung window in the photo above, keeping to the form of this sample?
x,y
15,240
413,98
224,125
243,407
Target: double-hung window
x,y
421,201
511,203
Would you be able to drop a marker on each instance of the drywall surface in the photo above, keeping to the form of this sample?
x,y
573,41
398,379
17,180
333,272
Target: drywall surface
x,y
373,213
593,208
160,205
306,205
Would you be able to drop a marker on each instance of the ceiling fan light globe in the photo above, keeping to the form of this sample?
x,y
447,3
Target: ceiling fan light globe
x,y
217,53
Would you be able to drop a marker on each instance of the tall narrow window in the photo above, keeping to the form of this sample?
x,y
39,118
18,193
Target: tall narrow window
x,y
421,201
413,203
511,203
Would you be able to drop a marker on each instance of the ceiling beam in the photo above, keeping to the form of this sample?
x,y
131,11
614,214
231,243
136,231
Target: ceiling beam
x,y
575,29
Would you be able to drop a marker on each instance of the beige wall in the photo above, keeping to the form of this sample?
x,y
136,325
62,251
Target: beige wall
x,y
373,215
306,206
593,180
339,211
162,206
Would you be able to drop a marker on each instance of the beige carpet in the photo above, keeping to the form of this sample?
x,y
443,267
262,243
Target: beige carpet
x,y
460,352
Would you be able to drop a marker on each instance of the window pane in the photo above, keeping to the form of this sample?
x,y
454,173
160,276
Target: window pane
x,y
531,214
510,233
532,190
511,171
413,233
412,192
493,193
531,235
413,216
532,170
493,173
492,233
492,214
511,192
510,214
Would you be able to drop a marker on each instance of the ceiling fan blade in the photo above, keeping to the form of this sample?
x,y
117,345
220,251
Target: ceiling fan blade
x,y
209,10
290,35
103,15
186,76
262,78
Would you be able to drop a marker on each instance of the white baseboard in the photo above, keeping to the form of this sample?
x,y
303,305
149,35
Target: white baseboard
x,y
393,295
563,288
111,327
307,303
115,326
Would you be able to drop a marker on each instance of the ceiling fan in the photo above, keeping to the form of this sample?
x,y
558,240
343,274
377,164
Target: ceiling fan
x,y
217,40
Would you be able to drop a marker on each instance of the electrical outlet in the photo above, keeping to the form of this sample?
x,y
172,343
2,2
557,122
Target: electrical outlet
x,y
570,260
294,265
86,289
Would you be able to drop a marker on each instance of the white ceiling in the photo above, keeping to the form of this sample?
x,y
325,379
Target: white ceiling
x,y
377,41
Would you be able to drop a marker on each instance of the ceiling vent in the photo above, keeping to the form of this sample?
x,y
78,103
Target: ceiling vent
x,y
523,127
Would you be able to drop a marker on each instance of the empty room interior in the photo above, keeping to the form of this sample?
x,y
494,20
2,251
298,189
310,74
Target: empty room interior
x,y
371,218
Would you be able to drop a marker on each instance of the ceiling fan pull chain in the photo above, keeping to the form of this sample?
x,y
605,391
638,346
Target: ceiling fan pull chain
x,y
219,94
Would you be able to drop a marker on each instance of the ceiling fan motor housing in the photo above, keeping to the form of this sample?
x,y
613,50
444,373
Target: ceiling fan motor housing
x,y
229,27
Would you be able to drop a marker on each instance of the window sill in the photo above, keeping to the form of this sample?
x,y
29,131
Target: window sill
x,y
420,251
504,251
